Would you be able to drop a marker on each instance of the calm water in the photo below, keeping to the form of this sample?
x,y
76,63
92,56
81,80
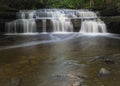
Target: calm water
x,y
50,60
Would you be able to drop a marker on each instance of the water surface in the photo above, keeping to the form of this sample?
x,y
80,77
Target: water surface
x,y
45,59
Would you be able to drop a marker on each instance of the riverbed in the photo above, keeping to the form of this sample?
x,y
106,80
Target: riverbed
x,y
59,59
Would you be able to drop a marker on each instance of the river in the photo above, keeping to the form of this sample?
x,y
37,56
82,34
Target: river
x,y
59,59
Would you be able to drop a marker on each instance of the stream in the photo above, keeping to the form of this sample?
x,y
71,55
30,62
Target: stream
x,y
59,59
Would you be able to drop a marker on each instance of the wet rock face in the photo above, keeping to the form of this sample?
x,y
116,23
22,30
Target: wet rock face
x,y
76,24
40,26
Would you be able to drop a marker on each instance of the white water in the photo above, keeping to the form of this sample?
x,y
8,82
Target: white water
x,y
93,26
21,25
57,38
60,20
44,25
62,25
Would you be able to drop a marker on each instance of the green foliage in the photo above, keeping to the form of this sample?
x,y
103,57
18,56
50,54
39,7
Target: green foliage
x,y
73,4
66,4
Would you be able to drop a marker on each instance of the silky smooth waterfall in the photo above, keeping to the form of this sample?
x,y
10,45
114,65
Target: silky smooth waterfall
x,y
60,20
93,26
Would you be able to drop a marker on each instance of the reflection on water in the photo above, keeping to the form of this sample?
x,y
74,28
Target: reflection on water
x,y
39,60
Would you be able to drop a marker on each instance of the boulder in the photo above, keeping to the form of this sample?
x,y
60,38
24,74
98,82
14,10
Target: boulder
x,y
103,72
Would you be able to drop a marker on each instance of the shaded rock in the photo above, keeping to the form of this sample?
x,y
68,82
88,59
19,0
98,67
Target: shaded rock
x,y
105,59
74,63
70,79
76,24
104,71
11,39
16,81
69,76
113,24
76,84
109,61
111,10
83,76
98,58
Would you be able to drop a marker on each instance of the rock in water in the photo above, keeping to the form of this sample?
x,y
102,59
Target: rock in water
x,y
76,84
109,61
16,81
104,71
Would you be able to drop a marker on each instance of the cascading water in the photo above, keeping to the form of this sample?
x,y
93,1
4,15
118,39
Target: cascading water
x,y
21,26
60,20
62,25
93,26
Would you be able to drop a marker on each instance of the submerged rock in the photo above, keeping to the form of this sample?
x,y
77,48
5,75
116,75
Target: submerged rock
x,y
104,71
66,76
16,81
105,59
11,39
98,58
76,84
109,61
73,79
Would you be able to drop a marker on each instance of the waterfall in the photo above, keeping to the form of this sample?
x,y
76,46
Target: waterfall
x,y
91,23
26,14
44,25
60,20
93,26
62,25
21,25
